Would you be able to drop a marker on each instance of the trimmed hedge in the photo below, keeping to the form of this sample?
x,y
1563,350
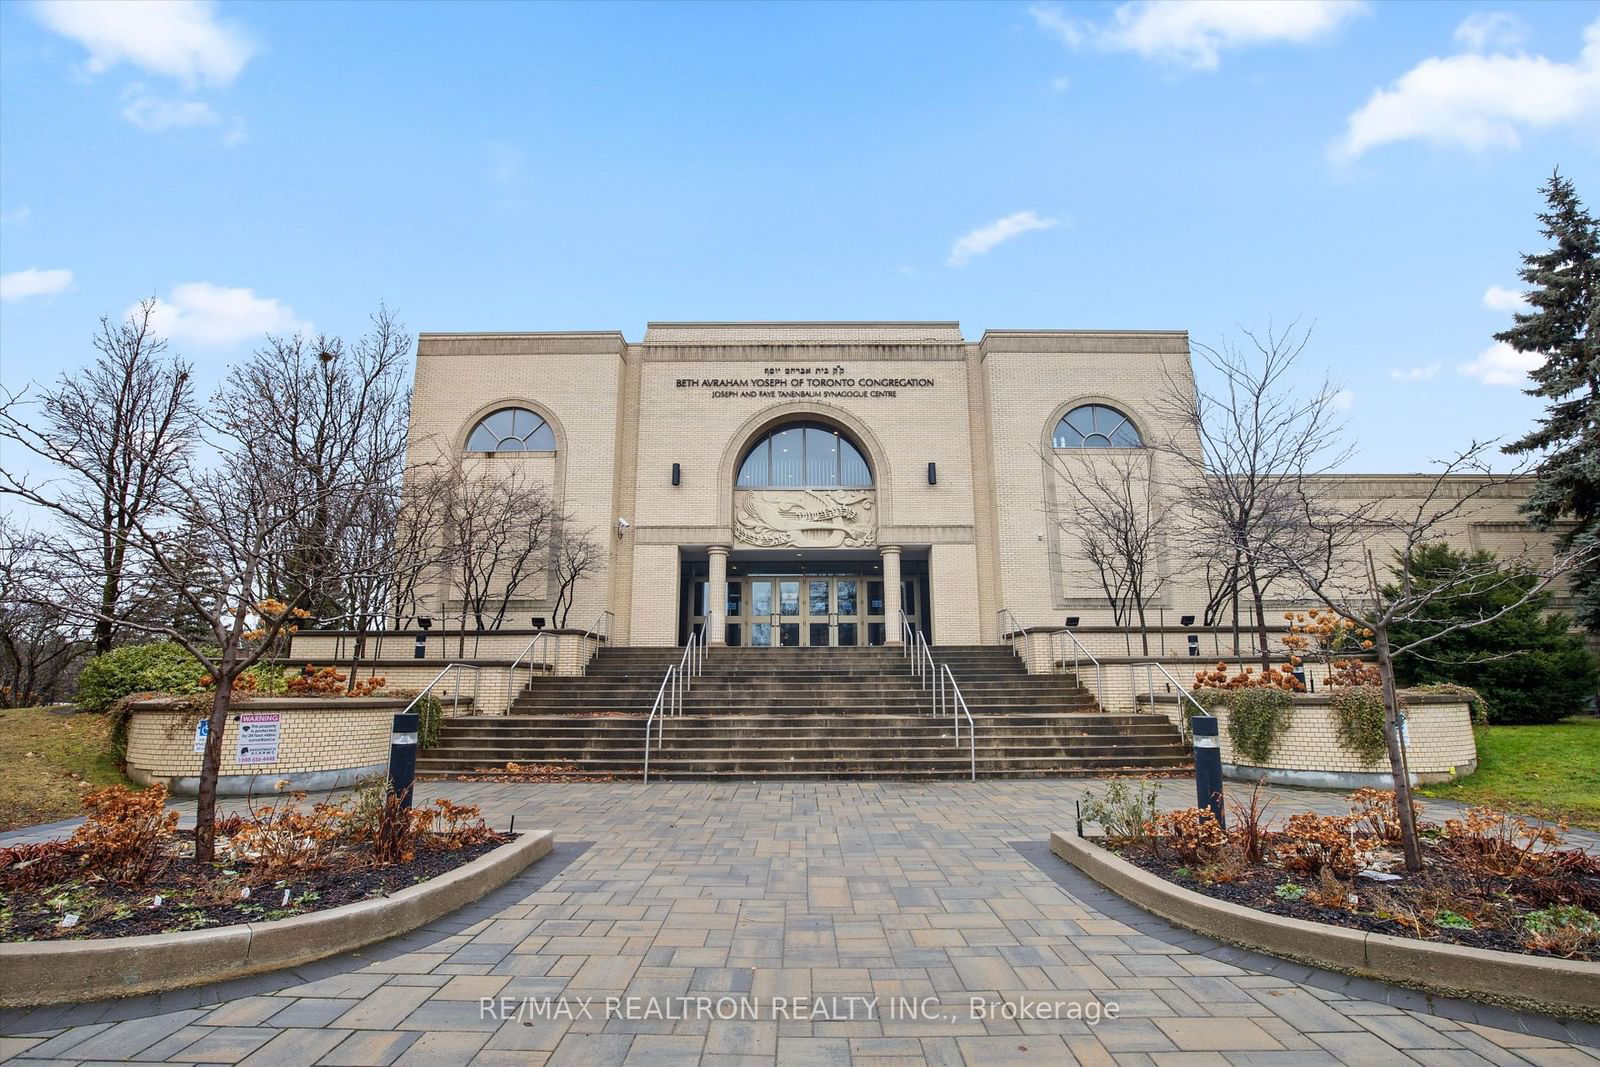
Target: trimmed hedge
x,y
161,667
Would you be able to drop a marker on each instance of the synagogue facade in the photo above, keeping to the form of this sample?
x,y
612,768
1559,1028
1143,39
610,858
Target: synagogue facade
x,y
806,484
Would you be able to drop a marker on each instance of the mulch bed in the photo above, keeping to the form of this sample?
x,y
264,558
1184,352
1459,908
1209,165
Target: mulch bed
x,y
199,896
1496,905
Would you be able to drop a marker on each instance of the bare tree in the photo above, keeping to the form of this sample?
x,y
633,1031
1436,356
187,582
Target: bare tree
x,y
325,412
41,646
1334,559
574,559
1115,520
498,530
1260,438
239,494
119,430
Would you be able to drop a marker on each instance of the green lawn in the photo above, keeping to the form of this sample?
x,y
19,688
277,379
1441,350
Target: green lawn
x,y
1538,770
45,759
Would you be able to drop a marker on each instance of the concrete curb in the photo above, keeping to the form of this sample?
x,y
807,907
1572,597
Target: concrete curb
x,y
1565,988
34,973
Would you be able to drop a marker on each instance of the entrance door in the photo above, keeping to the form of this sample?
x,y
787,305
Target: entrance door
x,y
814,610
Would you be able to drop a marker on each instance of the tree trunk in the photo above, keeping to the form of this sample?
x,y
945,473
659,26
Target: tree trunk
x,y
205,810
1397,763
1261,621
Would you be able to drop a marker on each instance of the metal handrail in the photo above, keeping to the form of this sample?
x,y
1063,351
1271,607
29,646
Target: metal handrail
x,y
448,667
1016,628
1183,694
674,684
1077,647
915,645
665,696
600,628
958,708
511,675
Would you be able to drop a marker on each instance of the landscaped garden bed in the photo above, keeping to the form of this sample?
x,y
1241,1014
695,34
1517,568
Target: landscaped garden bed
x,y
128,871
1489,880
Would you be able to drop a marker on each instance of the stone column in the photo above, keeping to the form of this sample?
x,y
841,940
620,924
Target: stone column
x,y
717,596
891,593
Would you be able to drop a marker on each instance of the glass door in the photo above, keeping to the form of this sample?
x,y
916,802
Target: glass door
x,y
787,619
761,615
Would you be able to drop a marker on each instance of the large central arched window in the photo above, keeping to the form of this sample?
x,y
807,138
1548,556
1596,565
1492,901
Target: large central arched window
x,y
803,455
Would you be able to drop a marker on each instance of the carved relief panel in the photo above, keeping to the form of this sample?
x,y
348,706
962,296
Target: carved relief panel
x,y
805,518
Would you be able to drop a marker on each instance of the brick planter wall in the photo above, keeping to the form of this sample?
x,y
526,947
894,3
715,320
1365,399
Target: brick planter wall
x,y
324,743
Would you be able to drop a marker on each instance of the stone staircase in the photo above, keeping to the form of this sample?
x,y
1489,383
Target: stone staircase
x,y
803,713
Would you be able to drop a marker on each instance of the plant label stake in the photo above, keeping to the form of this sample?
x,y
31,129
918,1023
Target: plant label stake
x,y
1207,765
403,757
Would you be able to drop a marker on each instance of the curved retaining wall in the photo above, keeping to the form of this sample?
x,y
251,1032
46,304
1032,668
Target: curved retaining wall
x,y
1439,746
322,744
60,972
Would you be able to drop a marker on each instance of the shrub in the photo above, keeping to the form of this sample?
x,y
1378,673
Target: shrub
x,y
329,681
1313,844
281,840
29,867
1124,811
127,835
161,667
459,826
430,718
1193,834
1373,812
1562,931
399,830
1528,663
1358,709
1485,841
1246,678
1257,717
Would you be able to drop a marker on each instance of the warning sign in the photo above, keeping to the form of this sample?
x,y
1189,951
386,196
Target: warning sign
x,y
258,737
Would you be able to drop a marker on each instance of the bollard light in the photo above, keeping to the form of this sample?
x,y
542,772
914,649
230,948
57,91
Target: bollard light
x,y
403,757
1207,765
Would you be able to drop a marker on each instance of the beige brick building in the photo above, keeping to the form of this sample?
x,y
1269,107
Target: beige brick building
x,y
804,483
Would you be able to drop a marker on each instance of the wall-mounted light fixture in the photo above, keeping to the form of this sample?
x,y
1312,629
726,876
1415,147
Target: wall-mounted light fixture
x,y
1072,620
933,474
677,474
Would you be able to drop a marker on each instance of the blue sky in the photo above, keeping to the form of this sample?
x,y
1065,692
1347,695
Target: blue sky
x,y
1370,167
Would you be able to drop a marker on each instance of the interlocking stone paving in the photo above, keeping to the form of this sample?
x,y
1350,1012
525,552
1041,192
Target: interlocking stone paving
x,y
823,894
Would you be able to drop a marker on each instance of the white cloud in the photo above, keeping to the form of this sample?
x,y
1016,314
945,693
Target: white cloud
x,y
1486,31
215,316
1061,84
1344,399
1414,374
1195,33
20,284
155,113
1478,101
180,39
17,217
1499,298
985,238
1500,364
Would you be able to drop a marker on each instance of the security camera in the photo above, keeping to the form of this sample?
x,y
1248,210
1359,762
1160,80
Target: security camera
x,y
623,524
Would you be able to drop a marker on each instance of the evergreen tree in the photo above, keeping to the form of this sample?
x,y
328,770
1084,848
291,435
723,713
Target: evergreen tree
x,y
1563,327
1528,665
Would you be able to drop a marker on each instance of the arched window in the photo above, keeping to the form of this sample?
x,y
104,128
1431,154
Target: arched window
x,y
1095,426
511,430
803,455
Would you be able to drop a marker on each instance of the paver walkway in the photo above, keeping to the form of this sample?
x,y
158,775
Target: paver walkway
x,y
825,895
